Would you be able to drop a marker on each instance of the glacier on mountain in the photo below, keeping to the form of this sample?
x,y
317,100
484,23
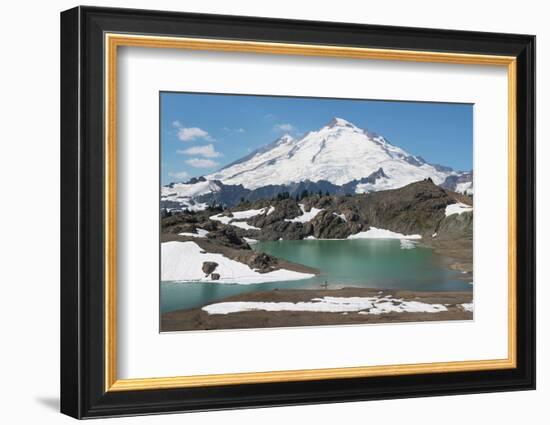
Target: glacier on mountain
x,y
339,153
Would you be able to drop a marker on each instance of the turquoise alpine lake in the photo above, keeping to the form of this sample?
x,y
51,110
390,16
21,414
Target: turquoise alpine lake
x,y
369,263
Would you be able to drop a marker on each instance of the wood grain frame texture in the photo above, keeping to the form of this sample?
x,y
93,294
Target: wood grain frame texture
x,y
90,38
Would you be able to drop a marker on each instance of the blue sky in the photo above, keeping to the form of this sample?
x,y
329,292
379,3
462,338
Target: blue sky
x,y
203,132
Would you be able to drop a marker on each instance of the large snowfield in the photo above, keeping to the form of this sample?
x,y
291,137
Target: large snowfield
x,y
182,261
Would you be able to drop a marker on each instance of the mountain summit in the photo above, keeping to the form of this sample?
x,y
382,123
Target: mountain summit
x,y
339,122
338,153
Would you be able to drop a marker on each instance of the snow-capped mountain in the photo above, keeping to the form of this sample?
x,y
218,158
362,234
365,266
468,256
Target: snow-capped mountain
x,y
339,158
339,153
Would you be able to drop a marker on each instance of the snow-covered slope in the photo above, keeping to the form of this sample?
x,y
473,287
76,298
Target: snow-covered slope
x,y
338,153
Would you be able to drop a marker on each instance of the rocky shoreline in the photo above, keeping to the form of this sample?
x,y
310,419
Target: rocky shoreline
x,y
446,306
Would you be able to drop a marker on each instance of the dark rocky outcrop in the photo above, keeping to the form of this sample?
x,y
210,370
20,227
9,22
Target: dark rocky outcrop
x,y
284,209
262,262
330,225
228,236
194,180
285,230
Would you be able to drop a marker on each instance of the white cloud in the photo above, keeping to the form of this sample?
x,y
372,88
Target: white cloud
x,y
180,175
283,127
187,134
201,163
208,151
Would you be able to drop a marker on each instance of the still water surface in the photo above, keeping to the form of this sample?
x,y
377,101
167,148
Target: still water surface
x,y
371,263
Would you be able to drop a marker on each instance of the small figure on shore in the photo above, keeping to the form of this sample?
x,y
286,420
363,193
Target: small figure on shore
x,y
324,285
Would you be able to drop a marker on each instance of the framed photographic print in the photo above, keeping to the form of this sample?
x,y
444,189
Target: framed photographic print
x,y
261,212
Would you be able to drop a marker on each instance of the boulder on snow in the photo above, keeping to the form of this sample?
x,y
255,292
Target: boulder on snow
x,y
209,266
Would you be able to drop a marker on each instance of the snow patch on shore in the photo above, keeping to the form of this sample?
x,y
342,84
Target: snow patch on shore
x,y
375,233
457,208
362,305
306,216
182,261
